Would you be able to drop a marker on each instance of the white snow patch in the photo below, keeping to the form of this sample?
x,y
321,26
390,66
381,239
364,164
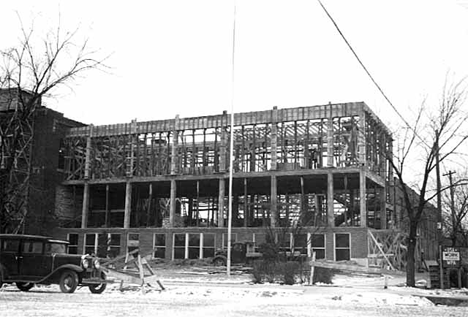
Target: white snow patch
x,y
371,298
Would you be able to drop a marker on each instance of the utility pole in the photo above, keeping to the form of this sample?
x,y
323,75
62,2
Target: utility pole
x,y
439,190
439,210
452,207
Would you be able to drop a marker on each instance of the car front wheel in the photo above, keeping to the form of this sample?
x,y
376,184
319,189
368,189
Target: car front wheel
x,y
22,286
68,281
98,288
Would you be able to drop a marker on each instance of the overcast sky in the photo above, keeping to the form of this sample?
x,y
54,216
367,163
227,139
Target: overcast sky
x,y
174,57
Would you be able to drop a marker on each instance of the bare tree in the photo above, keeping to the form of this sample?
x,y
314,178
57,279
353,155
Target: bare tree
x,y
434,138
455,206
30,71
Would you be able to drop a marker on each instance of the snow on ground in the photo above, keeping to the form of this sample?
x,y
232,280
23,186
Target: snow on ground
x,y
371,298
349,288
197,292
203,294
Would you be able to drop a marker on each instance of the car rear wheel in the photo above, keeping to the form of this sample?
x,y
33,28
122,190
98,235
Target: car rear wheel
x,y
68,281
219,261
98,288
22,286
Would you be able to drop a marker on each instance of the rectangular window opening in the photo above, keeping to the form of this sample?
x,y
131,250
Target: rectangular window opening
x,y
342,247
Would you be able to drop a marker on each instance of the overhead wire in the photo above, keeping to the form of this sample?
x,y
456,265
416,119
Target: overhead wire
x,y
367,71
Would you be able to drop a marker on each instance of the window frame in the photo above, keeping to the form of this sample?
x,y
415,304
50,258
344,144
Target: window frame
x,y
95,246
73,246
155,247
201,245
225,240
255,237
312,248
341,248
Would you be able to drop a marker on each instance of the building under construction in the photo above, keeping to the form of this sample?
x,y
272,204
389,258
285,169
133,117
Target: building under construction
x,y
315,179
317,176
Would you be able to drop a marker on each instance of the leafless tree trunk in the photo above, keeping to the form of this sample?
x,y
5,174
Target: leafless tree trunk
x,y
32,70
435,138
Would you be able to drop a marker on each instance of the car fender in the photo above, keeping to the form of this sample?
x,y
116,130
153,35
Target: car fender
x,y
56,273
74,267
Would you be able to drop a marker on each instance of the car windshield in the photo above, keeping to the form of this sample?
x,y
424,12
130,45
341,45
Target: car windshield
x,y
56,248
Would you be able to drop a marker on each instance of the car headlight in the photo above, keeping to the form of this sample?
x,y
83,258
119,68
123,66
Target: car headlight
x,y
96,263
85,263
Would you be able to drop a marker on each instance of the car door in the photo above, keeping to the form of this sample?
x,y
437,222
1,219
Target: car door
x,y
31,259
9,256
238,252
51,251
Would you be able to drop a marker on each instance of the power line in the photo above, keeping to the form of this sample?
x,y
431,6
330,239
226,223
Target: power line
x,y
366,70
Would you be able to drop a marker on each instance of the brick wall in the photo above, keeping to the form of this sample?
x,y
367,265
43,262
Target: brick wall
x,y
358,238
68,205
49,128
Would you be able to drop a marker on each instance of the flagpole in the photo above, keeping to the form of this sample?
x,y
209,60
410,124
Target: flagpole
x,y
231,147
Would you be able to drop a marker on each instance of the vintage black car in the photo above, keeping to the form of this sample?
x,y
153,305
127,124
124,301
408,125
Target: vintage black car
x,y
28,259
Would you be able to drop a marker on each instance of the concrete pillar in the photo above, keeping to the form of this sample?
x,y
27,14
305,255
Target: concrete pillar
x,y
87,174
134,136
223,146
362,139
107,217
303,206
174,149
85,210
172,210
87,168
150,205
330,200
246,205
274,202
347,205
383,208
363,166
318,210
362,197
330,157
274,139
128,204
222,184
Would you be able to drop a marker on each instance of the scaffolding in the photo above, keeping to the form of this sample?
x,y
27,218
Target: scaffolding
x,y
16,140
319,165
